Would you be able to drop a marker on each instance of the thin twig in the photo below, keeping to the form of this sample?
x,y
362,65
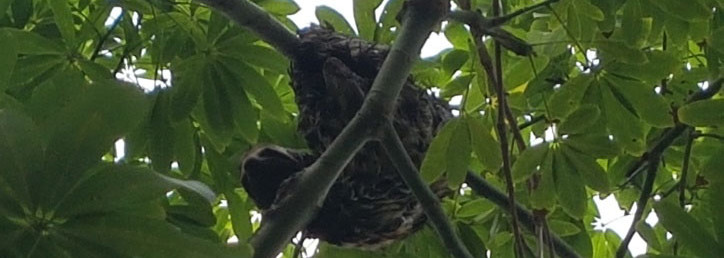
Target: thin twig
x,y
503,137
532,121
640,204
685,168
99,47
428,200
505,18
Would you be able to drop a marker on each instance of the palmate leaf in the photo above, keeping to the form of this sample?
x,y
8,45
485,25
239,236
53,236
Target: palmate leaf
x,y
131,236
8,57
569,190
112,188
703,113
364,17
448,153
626,128
79,134
20,151
330,17
64,20
687,230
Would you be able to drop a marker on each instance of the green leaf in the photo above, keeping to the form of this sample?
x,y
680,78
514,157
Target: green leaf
x,y
260,56
280,7
621,51
457,35
32,70
196,215
717,40
703,113
581,119
633,23
685,10
64,20
453,60
161,134
648,234
215,115
593,175
631,136
364,17
486,148
543,193
563,228
582,18
660,64
472,240
568,97
651,107
20,154
115,187
597,146
435,162
186,149
8,56
716,193
713,167
79,134
256,85
244,117
528,161
388,20
4,4
571,193
95,71
475,208
330,17
138,236
689,232
458,154
33,44
521,70
240,218
188,78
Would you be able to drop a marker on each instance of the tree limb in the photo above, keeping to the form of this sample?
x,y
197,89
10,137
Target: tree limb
x,y
428,200
254,18
527,220
311,187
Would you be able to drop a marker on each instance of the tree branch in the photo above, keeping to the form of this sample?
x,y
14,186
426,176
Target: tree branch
x,y
527,220
640,204
672,133
429,201
311,187
254,18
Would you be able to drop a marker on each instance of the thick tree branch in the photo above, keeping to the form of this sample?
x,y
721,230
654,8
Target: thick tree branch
x,y
253,17
404,165
311,187
527,220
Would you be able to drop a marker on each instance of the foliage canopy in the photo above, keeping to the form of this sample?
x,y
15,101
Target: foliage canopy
x,y
623,94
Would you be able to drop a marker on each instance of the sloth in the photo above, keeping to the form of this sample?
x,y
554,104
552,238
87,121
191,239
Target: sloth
x,y
369,206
